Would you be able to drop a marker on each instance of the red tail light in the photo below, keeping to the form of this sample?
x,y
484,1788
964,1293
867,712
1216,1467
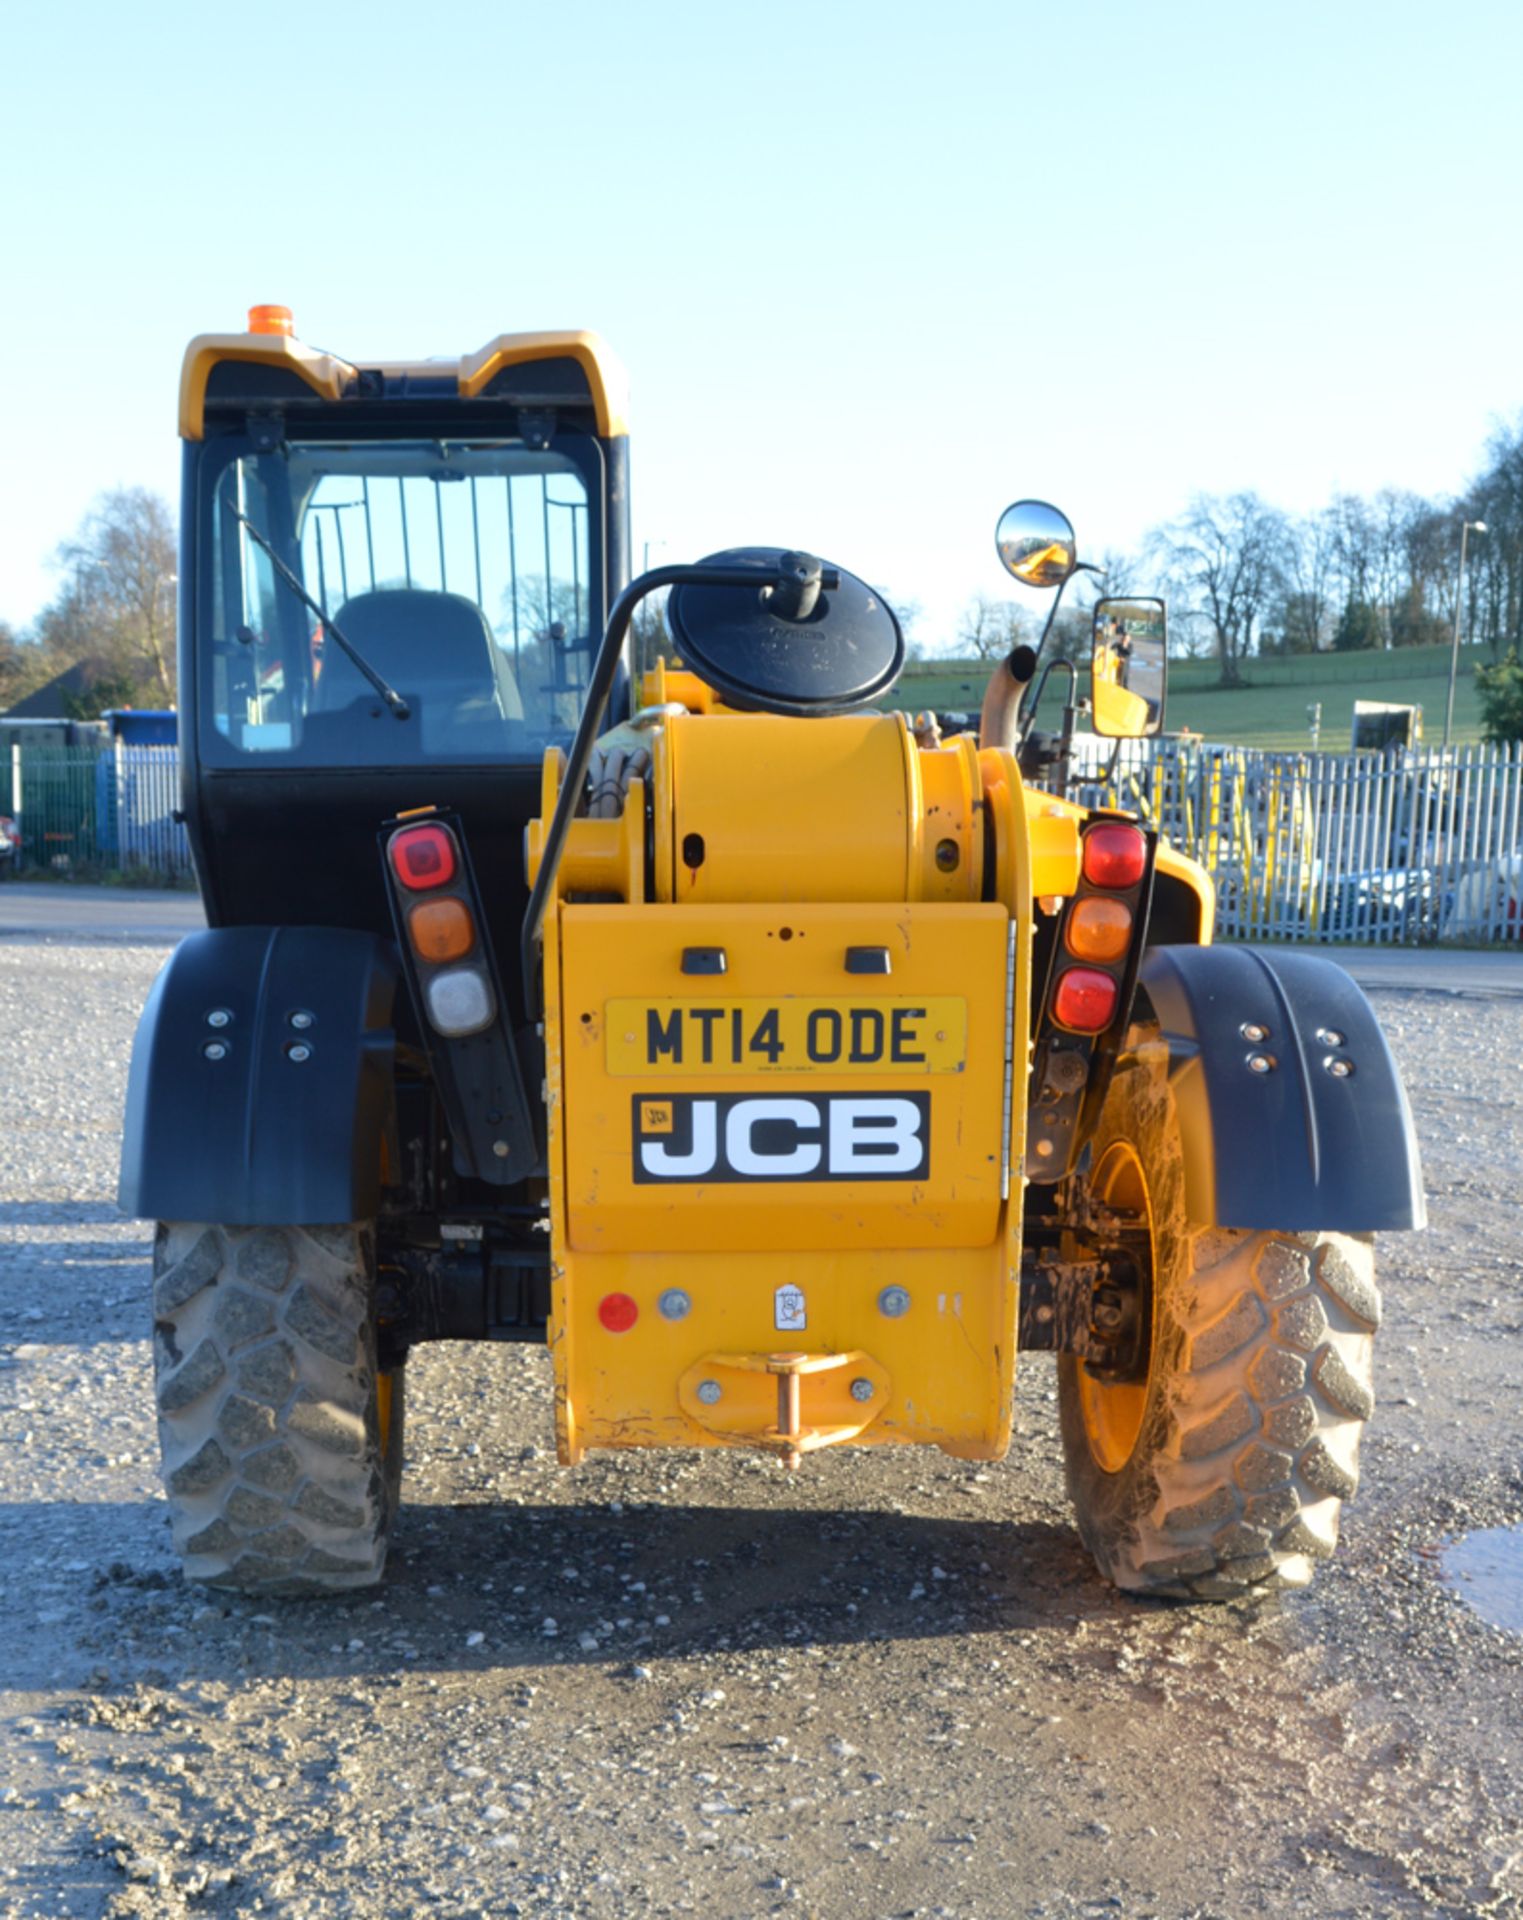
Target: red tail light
x,y
1085,1000
423,857
1115,855
618,1312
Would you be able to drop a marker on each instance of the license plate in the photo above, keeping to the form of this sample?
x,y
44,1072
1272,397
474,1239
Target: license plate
x,y
883,1035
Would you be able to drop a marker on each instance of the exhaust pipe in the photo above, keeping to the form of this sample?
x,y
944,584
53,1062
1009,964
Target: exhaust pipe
x,y
1002,698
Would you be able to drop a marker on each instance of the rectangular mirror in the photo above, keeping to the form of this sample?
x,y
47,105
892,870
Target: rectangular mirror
x,y
1128,667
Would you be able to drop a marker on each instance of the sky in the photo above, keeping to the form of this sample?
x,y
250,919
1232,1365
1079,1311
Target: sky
x,y
875,271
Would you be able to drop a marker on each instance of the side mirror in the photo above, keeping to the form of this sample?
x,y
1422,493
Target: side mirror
x,y
1036,544
1128,668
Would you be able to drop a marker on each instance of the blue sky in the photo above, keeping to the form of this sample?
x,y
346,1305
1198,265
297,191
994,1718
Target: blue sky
x,y
875,271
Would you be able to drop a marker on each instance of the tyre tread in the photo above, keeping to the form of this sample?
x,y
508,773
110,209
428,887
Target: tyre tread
x,y
265,1363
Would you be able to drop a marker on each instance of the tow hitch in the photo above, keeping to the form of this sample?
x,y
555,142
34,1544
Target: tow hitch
x,y
759,1399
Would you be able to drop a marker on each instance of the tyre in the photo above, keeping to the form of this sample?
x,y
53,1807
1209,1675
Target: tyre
x,y
1224,1472
281,1441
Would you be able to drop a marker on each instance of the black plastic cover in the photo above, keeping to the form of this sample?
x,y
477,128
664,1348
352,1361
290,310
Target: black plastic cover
x,y
845,654
262,1133
1318,1138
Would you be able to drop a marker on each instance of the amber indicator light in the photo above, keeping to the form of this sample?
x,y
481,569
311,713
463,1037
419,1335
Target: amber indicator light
x,y
1099,928
441,930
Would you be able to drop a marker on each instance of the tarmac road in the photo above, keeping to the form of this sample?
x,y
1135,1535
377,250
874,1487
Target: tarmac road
x,y
662,1684
57,912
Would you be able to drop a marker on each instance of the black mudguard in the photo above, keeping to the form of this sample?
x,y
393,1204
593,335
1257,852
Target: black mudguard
x,y
1320,1142
255,1136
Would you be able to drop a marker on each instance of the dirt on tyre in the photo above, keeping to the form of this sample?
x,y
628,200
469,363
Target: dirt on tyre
x,y
1225,1471
281,1441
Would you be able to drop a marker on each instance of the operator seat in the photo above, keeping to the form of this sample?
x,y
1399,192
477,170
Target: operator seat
x,y
435,648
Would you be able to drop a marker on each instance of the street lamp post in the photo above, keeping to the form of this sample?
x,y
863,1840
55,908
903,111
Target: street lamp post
x,y
1466,529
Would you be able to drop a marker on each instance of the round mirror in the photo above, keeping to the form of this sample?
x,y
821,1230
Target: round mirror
x,y
1036,544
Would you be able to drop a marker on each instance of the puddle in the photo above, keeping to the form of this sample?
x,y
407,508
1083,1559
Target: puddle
x,y
1486,1570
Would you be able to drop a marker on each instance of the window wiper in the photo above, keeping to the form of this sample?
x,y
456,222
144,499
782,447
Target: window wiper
x,y
390,695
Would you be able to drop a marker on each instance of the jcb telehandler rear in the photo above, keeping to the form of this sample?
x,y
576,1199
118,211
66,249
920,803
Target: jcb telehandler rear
x,y
786,1068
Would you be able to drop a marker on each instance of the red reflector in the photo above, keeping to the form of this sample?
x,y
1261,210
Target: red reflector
x,y
1085,999
1114,855
618,1312
423,857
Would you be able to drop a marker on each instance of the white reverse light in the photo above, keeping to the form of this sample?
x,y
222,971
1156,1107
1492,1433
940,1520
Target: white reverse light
x,y
459,1001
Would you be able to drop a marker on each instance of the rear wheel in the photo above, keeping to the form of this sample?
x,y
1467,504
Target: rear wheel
x,y
281,1440
1225,1470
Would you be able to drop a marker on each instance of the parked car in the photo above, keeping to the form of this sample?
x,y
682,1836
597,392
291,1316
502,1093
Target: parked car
x,y
10,844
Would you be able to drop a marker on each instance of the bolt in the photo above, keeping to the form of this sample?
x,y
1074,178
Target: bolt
x,y
947,856
894,1302
1339,1068
1330,1036
1260,1063
301,1019
1045,1149
1257,1034
500,1148
710,1392
219,1017
298,1051
862,1389
215,1049
674,1304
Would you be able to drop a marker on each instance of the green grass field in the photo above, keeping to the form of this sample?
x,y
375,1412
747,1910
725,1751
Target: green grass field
x,y
1271,711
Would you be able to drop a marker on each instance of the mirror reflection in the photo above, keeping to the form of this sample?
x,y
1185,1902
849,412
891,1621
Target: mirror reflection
x,y
1036,543
1128,667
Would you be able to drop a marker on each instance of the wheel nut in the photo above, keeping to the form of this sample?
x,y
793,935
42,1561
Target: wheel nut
x,y
862,1389
1260,1063
1338,1067
1254,1031
1330,1036
298,1051
219,1017
215,1050
674,1304
301,1020
710,1392
894,1302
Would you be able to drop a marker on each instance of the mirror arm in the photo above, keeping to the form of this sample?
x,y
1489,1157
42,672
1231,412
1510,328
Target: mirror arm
x,y
1031,693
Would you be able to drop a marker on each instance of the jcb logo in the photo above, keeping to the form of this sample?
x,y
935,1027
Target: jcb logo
x,y
739,1136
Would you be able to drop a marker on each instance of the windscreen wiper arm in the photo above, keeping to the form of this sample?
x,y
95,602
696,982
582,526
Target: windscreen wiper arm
x,y
390,695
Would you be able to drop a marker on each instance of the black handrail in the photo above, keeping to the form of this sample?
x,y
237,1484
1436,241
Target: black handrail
x,y
599,686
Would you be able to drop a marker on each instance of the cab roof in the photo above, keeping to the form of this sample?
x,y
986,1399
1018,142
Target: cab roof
x,y
232,372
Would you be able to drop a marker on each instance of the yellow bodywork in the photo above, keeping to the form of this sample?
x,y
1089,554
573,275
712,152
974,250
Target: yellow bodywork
x,y
834,1304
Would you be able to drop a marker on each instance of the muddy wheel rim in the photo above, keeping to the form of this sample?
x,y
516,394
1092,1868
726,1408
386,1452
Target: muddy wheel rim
x,y
1113,1412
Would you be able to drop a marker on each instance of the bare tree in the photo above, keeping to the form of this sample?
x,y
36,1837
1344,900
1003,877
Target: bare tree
x,y
1228,554
117,602
1306,607
989,629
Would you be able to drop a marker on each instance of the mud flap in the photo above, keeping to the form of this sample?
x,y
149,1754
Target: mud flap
x,y
261,1079
1293,1115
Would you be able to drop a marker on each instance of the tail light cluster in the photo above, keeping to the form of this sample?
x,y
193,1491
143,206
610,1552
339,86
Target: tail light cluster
x,y
1090,985
1098,928
435,909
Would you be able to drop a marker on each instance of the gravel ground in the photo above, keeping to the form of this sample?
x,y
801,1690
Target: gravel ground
x,y
888,1685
